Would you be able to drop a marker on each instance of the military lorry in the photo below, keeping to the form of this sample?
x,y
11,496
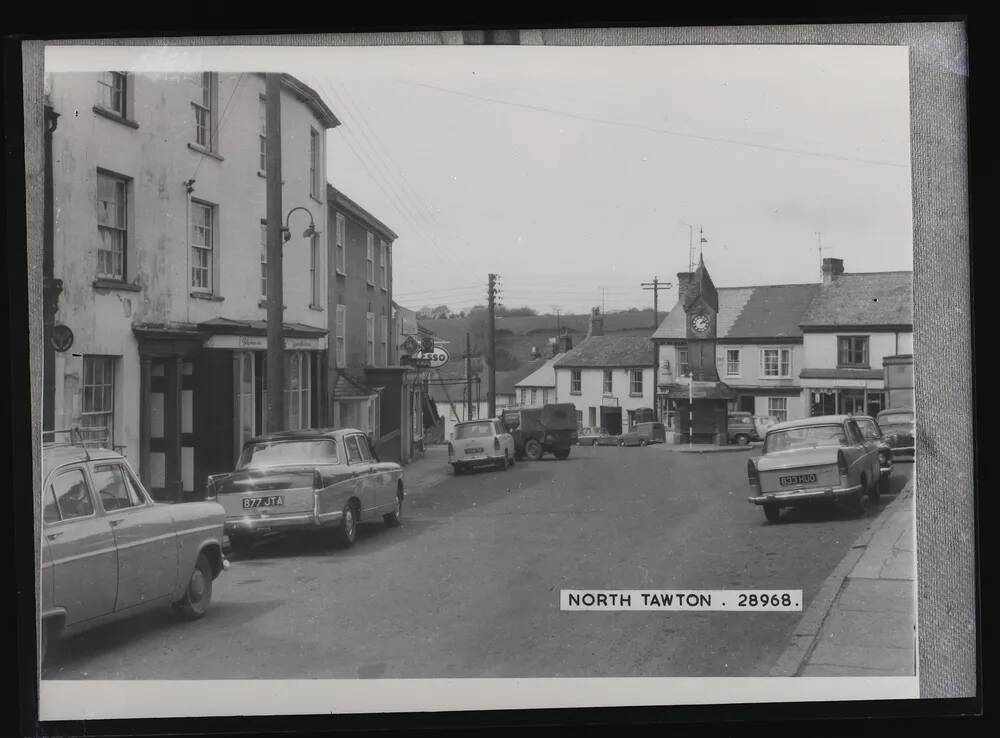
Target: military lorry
x,y
539,430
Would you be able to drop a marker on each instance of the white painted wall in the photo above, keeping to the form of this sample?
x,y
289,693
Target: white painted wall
x,y
592,391
821,348
157,159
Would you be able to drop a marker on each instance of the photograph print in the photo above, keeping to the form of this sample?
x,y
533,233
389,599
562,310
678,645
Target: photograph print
x,y
594,362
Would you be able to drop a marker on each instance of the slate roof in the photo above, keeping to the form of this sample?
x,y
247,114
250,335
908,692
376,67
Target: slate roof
x,y
507,381
864,299
771,311
609,351
544,376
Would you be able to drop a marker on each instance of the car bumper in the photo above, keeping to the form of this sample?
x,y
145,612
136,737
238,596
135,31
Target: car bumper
x,y
903,451
248,525
803,495
477,460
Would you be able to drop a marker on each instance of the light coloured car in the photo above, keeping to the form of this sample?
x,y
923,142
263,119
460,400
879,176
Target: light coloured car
x,y
110,551
308,480
481,443
822,458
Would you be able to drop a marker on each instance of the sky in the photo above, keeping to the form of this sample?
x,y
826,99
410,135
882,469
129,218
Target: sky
x,y
579,173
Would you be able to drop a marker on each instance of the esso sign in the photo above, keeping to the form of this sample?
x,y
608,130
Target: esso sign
x,y
435,359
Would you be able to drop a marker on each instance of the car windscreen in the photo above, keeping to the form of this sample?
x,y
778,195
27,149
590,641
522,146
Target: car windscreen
x,y
473,430
288,453
809,436
895,418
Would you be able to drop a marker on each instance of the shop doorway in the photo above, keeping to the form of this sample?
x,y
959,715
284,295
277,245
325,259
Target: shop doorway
x,y
611,419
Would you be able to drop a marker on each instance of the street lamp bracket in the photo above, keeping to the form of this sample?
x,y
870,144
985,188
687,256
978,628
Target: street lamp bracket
x,y
310,231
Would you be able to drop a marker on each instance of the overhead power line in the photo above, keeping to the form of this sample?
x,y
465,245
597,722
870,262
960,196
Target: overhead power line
x,y
653,129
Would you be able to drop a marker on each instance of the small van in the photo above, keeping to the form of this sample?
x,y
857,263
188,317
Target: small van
x,y
742,428
642,434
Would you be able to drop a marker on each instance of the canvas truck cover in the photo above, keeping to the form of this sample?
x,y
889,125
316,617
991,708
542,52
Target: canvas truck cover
x,y
549,417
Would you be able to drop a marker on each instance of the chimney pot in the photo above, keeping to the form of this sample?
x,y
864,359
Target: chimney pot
x,y
832,268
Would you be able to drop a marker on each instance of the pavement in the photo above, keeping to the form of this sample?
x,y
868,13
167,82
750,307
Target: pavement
x,y
705,448
863,620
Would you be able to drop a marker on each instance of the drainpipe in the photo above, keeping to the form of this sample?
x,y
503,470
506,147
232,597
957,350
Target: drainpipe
x,y
188,189
51,287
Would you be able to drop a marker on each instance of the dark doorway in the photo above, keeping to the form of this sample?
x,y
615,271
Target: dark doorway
x,y
747,403
611,419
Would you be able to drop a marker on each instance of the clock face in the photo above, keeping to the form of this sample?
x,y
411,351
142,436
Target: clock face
x,y
701,323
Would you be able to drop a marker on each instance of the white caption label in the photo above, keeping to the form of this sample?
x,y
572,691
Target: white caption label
x,y
675,600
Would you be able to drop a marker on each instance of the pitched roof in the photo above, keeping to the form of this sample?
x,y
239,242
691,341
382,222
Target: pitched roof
x,y
340,201
771,311
507,381
872,298
543,376
607,351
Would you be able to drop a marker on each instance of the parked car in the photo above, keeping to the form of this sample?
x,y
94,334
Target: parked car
x,y
900,429
307,480
643,434
478,443
110,551
589,436
823,458
607,440
742,428
550,429
872,433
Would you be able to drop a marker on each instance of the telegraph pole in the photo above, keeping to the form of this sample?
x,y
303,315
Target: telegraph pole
x,y
275,298
468,377
656,285
491,295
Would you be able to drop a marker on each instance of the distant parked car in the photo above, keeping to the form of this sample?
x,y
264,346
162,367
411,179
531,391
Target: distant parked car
x,y
823,458
306,480
899,427
479,443
643,434
607,440
742,428
109,550
589,436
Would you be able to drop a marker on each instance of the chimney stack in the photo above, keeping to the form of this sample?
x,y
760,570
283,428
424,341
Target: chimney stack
x,y
596,327
565,343
684,280
832,268
554,347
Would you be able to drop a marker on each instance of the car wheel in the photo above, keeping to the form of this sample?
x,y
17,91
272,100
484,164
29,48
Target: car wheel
x,y
533,450
347,531
457,468
772,513
859,500
875,490
885,484
512,458
642,442
395,518
241,545
742,440
198,593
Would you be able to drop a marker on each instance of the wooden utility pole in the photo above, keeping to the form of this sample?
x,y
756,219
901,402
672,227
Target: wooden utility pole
x,y
656,285
275,296
468,377
492,348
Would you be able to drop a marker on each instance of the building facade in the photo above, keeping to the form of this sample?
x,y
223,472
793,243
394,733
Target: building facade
x,y
790,351
158,187
607,378
855,323
360,314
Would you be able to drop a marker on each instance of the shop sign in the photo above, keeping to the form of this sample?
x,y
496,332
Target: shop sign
x,y
61,338
432,359
259,343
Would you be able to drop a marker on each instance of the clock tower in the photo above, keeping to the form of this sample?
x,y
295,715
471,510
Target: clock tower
x,y
700,400
701,310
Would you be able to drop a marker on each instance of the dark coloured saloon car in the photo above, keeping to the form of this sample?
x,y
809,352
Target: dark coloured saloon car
x,y
899,429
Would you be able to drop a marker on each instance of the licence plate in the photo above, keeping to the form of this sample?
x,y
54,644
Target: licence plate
x,y
252,502
797,479
473,450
